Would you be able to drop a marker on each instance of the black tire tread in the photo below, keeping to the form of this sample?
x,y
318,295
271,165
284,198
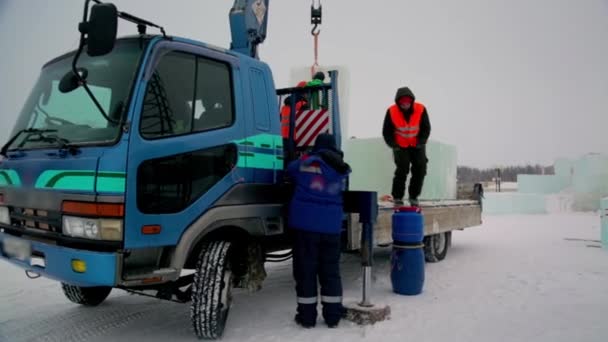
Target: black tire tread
x,y
430,254
87,296
207,290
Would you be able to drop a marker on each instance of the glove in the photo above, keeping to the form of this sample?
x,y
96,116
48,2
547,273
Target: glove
x,y
420,146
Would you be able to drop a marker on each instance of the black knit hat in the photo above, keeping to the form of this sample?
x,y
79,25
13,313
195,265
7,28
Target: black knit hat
x,y
325,141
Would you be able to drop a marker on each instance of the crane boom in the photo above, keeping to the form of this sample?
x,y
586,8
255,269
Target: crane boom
x,y
248,23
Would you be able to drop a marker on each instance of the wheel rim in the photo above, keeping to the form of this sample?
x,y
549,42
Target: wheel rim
x,y
226,295
439,243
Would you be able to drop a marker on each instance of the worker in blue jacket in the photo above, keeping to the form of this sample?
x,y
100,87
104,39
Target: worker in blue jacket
x,y
315,216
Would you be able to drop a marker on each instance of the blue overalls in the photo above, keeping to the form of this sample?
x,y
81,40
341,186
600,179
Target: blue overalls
x,y
315,215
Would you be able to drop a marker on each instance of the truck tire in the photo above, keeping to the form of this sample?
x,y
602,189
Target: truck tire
x,y
211,290
87,296
436,246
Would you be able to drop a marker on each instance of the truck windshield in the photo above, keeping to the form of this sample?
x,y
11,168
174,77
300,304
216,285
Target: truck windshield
x,y
73,116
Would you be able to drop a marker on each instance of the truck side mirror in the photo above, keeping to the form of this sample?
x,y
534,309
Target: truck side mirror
x,y
70,81
101,29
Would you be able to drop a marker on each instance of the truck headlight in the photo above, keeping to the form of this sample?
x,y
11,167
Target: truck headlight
x,y
5,217
89,228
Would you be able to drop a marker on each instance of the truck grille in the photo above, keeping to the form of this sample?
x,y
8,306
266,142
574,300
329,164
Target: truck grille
x,y
36,219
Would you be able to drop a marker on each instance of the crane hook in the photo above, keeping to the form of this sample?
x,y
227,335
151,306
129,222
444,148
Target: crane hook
x,y
315,30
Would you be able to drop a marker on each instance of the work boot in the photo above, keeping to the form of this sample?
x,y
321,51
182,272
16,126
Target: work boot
x,y
414,202
303,324
332,325
398,202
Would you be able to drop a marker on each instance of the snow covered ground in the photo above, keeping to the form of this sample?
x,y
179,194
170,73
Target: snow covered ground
x,y
516,278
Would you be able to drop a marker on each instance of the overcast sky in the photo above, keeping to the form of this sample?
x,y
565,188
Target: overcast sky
x,y
506,81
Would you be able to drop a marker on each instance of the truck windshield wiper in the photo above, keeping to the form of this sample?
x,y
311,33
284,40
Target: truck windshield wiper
x,y
62,143
18,134
57,141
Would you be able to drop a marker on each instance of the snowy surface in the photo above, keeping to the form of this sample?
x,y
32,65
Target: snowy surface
x,y
516,278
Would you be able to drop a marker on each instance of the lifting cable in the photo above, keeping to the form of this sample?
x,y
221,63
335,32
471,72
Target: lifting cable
x,y
316,11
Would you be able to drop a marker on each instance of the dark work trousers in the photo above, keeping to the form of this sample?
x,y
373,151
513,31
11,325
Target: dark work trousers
x,y
286,156
316,256
407,159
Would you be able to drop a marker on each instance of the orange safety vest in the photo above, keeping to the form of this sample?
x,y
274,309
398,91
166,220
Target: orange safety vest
x,y
285,113
406,133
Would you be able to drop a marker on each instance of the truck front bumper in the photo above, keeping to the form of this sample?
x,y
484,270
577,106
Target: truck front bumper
x,y
56,262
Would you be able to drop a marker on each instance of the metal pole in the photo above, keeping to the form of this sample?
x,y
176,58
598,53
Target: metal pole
x,y
366,204
499,180
367,237
367,286
335,108
291,148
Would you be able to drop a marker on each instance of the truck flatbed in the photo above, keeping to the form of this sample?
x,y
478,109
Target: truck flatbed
x,y
440,218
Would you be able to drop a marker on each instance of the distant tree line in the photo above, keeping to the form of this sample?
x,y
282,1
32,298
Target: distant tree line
x,y
467,174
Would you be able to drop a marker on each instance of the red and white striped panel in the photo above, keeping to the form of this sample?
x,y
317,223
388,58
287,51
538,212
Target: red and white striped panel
x,y
311,123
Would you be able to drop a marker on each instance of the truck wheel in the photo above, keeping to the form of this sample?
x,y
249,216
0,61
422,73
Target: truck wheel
x,y
436,246
88,296
211,290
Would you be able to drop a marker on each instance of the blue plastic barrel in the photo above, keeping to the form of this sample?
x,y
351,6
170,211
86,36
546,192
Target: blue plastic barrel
x,y
407,257
407,269
408,226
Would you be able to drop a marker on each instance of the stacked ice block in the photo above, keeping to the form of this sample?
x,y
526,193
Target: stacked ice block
x,y
373,168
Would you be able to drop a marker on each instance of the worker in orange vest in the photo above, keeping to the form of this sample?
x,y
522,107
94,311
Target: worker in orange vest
x,y
406,130
300,104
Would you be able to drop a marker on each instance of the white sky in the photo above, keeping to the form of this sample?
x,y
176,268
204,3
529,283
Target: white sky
x,y
505,81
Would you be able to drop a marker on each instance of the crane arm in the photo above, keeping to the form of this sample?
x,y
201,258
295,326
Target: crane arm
x,y
248,23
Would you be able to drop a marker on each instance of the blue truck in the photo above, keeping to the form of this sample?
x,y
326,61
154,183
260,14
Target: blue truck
x,y
154,164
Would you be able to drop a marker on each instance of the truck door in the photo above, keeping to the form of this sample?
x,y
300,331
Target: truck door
x,y
182,153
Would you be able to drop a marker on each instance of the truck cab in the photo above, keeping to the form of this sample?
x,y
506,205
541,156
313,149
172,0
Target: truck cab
x,y
198,121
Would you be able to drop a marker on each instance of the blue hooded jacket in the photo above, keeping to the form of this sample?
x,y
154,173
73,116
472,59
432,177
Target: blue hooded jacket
x,y
316,205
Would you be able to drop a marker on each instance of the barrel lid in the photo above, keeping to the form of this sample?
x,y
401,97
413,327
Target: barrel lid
x,y
407,209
